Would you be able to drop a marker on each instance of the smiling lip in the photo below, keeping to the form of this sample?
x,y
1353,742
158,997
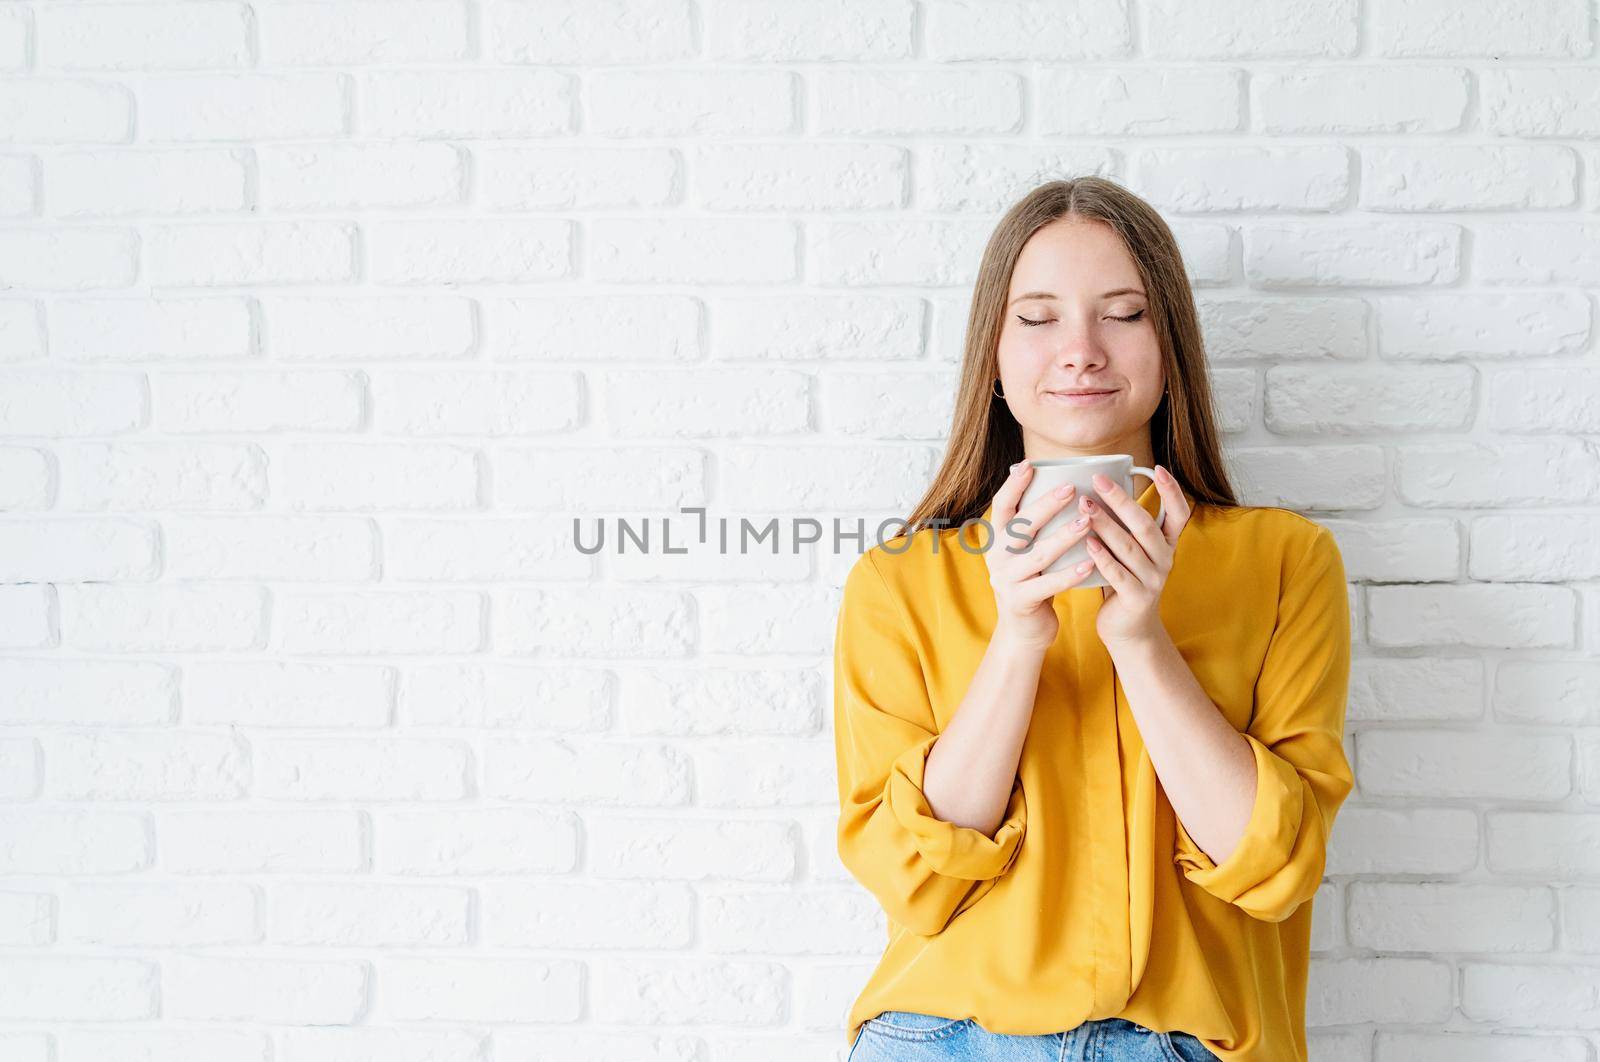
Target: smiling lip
x,y
1080,398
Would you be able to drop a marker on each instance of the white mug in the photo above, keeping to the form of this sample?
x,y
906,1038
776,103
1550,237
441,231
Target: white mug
x,y
1050,473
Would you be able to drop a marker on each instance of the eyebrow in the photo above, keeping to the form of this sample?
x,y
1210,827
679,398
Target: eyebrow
x,y
1052,295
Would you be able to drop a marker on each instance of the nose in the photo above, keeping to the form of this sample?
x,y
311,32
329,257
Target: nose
x,y
1079,351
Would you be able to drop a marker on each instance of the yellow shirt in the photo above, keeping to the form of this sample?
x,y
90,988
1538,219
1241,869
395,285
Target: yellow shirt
x,y
1090,900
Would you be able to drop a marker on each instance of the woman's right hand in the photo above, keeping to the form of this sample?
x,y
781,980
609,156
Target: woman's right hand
x,y
1023,593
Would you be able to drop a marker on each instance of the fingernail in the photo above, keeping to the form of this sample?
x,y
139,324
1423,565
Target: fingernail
x,y
1166,477
1018,466
1064,491
1080,521
1103,482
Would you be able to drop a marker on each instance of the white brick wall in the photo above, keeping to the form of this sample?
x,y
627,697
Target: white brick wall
x,y
319,741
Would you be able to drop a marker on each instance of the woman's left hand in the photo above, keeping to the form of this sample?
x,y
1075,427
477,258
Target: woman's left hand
x,y
1134,561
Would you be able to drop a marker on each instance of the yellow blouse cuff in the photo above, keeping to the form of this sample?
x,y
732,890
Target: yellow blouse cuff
x,y
1269,837
952,850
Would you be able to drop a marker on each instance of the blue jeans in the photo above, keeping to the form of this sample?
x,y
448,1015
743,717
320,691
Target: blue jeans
x,y
906,1036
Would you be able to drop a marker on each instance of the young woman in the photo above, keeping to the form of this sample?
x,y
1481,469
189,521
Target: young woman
x,y
1095,817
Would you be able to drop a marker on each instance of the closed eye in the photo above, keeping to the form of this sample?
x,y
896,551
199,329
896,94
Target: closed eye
x,y
1131,317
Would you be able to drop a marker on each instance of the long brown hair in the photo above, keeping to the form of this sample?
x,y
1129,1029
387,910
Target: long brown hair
x,y
985,439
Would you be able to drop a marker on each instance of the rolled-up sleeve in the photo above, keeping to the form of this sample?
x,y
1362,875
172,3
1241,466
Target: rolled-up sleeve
x,y
922,869
1296,732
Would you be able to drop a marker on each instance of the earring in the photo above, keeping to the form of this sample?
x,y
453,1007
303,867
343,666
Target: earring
x,y
995,388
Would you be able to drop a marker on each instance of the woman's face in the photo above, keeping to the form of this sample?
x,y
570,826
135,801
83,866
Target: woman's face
x,y
1078,281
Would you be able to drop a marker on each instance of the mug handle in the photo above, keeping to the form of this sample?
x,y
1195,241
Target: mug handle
x,y
1150,474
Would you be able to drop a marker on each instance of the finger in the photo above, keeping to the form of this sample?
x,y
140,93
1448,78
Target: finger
x,y
1129,552
1119,577
1048,550
1139,523
1039,511
1031,520
1049,584
1175,507
1010,493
